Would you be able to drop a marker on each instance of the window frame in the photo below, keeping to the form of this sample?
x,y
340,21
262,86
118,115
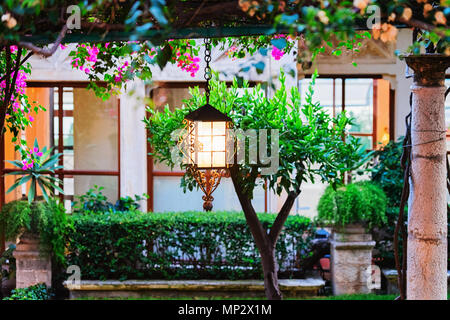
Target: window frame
x,y
374,77
62,173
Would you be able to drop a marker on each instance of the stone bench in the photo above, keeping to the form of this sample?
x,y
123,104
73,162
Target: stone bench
x,y
189,288
392,283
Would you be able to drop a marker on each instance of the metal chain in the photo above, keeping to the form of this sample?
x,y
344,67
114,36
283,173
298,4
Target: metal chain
x,y
208,72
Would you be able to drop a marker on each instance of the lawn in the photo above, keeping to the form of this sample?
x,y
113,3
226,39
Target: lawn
x,y
341,297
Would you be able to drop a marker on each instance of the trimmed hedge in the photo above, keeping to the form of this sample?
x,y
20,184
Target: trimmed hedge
x,y
181,245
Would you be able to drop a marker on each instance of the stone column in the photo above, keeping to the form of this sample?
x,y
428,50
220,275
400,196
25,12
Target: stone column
x,y
31,267
351,260
427,213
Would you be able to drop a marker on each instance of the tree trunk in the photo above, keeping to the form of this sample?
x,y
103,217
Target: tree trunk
x,y
270,270
265,242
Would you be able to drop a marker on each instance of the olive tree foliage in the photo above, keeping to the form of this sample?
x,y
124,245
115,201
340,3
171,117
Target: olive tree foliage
x,y
312,145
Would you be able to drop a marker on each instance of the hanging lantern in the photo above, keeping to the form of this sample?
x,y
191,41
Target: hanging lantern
x,y
207,147
208,134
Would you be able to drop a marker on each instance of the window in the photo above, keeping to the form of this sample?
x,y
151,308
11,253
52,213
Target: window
x,y
164,184
369,100
84,129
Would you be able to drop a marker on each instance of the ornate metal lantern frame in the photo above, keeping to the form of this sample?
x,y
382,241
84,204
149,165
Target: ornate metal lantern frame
x,y
208,145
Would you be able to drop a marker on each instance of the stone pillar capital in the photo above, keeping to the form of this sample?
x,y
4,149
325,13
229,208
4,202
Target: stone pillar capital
x,y
429,69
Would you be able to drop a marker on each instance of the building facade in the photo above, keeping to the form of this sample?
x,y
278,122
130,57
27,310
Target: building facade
x,y
105,142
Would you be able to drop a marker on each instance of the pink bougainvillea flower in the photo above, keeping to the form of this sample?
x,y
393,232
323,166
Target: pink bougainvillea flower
x,y
277,54
31,118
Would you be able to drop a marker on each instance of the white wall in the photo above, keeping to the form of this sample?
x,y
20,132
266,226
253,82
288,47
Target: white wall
x,y
133,134
133,141
391,68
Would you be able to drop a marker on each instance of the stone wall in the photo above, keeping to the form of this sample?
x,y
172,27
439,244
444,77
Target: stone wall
x,y
351,258
31,266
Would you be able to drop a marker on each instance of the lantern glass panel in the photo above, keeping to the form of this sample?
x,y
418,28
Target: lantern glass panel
x,y
219,128
204,143
204,128
204,159
218,159
218,143
207,144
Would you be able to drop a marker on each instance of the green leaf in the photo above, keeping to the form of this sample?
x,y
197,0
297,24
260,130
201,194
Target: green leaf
x,y
44,192
163,56
17,173
279,43
16,163
260,67
49,163
19,182
56,187
157,12
32,191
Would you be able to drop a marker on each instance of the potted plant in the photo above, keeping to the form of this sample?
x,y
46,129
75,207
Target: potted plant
x,y
351,211
38,225
355,205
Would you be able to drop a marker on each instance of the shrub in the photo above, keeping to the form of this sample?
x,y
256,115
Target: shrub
x,y
181,245
387,173
48,220
36,292
360,202
7,260
94,201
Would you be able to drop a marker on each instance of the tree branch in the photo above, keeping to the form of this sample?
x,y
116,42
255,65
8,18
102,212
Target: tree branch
x,y
8,72
256,228
45,52
21,63
282,216
421,25
16,71
10,85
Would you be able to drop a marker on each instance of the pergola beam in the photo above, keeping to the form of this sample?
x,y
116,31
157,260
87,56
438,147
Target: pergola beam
x,y
160,35
184,33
